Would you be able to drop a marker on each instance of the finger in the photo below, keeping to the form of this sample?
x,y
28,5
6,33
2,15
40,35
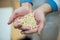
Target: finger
x,y
17,24
25,27
31,31
12,18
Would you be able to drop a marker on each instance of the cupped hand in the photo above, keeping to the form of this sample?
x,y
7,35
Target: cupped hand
x,y
19,13
40,19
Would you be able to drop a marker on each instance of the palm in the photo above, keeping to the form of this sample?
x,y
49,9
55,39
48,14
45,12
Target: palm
x,y
40,19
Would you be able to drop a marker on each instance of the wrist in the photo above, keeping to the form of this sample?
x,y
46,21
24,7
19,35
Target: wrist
x,y
45,8
26,4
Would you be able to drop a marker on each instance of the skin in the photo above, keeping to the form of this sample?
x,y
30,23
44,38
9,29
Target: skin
x,y
39,14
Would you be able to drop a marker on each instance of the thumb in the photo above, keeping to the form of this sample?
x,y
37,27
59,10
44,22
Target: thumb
x,y
12,18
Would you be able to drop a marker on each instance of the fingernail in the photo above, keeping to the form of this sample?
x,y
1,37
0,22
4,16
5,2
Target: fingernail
x,y
8,23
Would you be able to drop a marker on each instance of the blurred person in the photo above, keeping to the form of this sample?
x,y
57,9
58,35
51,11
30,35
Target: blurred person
x,y
45,12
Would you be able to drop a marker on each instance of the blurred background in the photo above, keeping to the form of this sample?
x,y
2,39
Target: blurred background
x,y
7,32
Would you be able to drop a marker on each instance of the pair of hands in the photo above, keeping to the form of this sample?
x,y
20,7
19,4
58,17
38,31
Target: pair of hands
x,y
20,12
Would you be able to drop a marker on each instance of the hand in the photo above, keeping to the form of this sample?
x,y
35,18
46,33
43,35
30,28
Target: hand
x,y
40,18
40,14
19,13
